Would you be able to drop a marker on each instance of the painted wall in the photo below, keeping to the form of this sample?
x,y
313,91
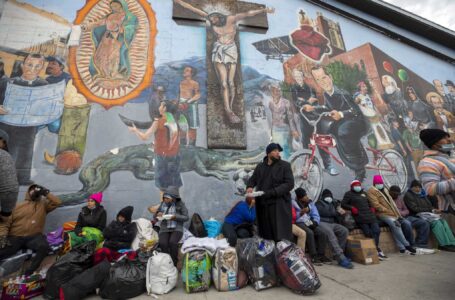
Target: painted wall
x,y
121,60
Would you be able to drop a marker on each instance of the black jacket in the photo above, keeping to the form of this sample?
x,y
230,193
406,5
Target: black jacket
x,y
327,211
120,235
360,201
274,208
416,203
91,218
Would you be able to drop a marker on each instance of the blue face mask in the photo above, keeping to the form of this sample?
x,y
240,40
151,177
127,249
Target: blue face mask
x,y
446,148
357,189
379,186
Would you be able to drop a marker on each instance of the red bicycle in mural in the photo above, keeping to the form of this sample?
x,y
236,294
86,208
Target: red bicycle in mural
x,y
308,171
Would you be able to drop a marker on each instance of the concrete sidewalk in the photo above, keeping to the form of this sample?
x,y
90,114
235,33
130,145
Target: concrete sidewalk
x,y
401,277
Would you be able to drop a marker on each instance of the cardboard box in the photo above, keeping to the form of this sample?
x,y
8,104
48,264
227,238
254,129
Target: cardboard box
x,y
362,250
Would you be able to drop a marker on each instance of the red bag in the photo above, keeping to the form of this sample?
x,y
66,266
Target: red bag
x,y
295,269
23,288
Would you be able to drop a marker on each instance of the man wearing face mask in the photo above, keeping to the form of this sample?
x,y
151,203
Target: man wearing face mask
x,y
337,234
386,210
437,171
273,176
356,201
416,200
25,227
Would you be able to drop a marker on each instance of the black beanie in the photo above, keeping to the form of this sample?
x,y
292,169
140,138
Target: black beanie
x,y
273,146
326,193
300,193
415,183
126,212
431,136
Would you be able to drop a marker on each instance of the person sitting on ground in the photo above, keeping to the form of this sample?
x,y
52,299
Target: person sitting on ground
x,y
437,171
356,201
9,186
421,226
172,213
298,232
416,199
308,219
25,227
118,236
336,233
239,222
90,222
386,210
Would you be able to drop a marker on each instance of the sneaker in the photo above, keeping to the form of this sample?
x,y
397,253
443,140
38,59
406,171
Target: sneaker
x,y
411,249
332,171
422,251
325,260
406,252
382,256
316,261
345,263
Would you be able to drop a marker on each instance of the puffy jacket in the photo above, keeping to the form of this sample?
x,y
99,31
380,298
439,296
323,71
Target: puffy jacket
x,y
120,235
383,202
417,203
360,202
327,211
95,218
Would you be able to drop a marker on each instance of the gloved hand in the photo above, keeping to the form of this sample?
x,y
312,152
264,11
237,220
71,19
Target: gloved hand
x,y
354,210
373,210
4,242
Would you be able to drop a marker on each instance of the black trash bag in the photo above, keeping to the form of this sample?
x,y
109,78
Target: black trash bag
x,y
197,227
126,280
67,267
256,257
86,282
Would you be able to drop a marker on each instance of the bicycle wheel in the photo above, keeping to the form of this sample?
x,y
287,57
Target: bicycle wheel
x,y
312,182
393,169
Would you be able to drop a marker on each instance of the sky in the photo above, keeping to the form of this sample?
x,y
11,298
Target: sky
x,y
438,11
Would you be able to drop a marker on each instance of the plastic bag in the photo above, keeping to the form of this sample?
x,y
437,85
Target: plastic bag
x,y
196,271
257,259
213,228
126,279
55,237
295,269
67,267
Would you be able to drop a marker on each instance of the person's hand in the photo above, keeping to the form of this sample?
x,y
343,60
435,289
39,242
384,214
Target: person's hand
x,y
313,100
132,128
295,134
436,211
3,111
334,114
252,203
173,218
4,242
270,10
308,108
249,190
354,210
160,214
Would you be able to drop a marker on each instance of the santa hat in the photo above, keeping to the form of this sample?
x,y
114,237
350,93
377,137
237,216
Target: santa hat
x,y
377,179
355,182
97,197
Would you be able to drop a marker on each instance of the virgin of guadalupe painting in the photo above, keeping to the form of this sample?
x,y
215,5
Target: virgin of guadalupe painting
x,y
114,59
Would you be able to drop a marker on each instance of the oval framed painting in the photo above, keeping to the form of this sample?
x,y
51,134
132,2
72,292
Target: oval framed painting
x,y
114,61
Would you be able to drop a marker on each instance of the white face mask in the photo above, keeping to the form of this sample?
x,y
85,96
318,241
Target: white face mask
x,y
379,186
328,199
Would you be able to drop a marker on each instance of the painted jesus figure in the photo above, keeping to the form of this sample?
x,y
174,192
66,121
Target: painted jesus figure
x,y
225,52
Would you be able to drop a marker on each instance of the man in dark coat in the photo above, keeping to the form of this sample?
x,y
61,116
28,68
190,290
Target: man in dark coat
x,y
274,177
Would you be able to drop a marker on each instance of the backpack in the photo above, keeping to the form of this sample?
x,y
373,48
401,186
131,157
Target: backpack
x,y
196,271
225,269
161,276
145,233
197,227
295,269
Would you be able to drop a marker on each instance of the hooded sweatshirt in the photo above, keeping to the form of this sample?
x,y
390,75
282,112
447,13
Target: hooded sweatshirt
x,y
29,217
327,211
120,235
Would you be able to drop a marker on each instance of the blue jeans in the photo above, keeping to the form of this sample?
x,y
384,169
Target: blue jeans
x,y
371,231
422,228
397,232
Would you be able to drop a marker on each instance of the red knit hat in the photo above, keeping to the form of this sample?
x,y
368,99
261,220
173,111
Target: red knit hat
x,y
355,182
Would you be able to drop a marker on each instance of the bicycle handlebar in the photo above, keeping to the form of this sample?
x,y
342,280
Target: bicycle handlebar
x,y
314,122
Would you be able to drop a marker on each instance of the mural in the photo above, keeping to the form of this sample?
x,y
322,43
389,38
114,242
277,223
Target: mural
x,y
114,60
120,96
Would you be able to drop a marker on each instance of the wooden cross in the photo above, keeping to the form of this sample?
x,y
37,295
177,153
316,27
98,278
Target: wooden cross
x,y
225,105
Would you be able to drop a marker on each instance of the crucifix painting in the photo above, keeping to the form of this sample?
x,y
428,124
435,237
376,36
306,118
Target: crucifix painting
x,y
225,111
